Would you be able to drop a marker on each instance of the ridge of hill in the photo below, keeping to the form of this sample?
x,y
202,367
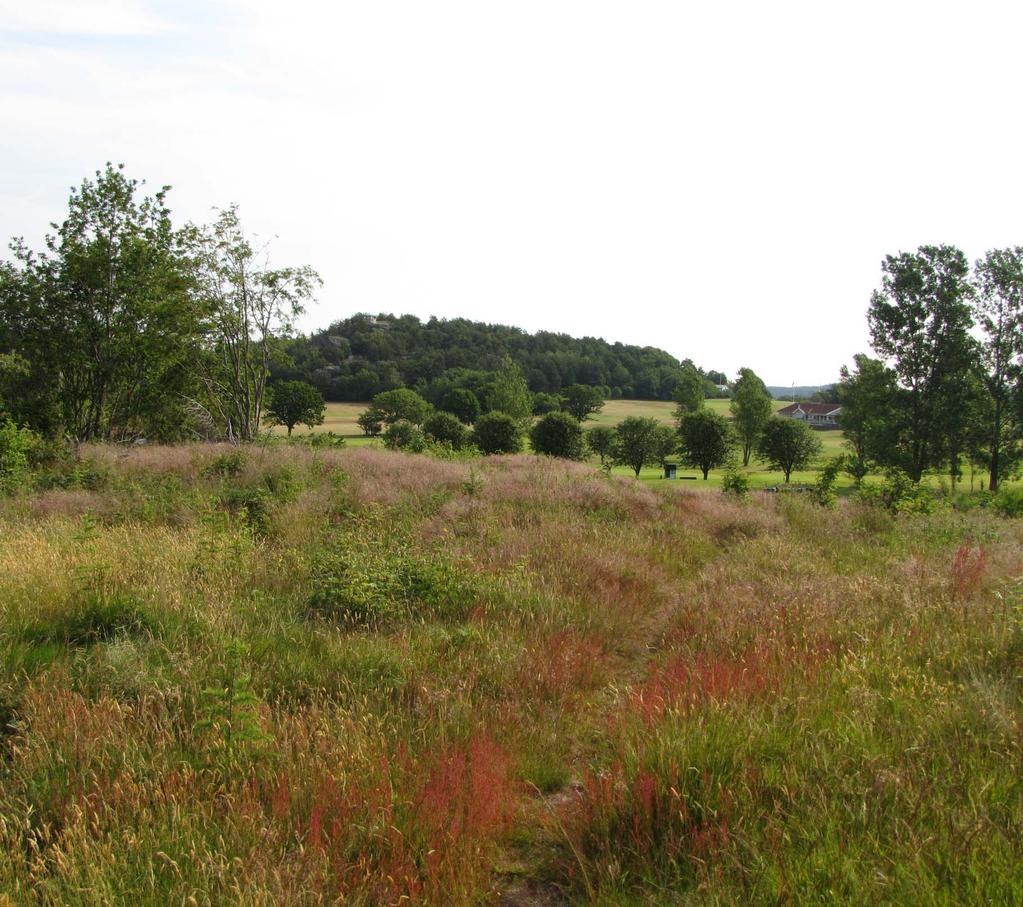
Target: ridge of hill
x,y
360,356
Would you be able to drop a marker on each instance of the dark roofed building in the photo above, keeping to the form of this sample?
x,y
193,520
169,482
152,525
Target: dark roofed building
x,y
816,415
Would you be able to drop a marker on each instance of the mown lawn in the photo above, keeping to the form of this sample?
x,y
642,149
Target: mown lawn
x,y
277,675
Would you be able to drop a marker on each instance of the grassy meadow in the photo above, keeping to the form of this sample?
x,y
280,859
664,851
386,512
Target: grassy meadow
x,y
277,675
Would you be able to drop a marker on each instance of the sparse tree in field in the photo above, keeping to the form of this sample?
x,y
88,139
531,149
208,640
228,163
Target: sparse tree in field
x,y
462,403
751,408
447,428
920,321
636,443
401,403
250,307
295,403
788,444
582,401
371,421
498,433
705,440
509,393
998,308
689,392
558,435
869,397
601,440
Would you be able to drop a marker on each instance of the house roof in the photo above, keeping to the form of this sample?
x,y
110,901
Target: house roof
x,y
817,409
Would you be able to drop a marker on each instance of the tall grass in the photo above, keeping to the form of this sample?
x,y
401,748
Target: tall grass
x,y
291,675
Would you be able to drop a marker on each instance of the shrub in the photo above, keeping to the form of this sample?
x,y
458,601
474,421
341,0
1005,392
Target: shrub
x,y
16,445
558,434
1008,502
899,494
497,433
226,465
403,435
545,403
321,440
735,482
446,428
824,489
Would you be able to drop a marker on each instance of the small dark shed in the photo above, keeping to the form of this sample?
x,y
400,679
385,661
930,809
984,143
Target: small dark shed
x,y
671,470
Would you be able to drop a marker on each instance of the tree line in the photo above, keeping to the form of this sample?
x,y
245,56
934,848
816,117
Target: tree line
x,y
361,356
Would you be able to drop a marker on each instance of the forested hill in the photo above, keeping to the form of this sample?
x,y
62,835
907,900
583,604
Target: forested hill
x,y
365,354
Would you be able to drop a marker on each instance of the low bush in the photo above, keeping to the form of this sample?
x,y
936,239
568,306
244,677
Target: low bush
x,y
16,446
1008,502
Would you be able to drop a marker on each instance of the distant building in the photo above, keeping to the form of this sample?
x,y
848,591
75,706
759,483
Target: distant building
x,y
816,415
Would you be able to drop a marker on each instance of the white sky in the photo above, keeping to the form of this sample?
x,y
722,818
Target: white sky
x,y
719,180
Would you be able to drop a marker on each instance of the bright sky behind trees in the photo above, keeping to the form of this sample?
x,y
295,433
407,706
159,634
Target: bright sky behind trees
x,y
719,180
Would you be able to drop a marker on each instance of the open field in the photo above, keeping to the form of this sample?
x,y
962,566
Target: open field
x,y
282,676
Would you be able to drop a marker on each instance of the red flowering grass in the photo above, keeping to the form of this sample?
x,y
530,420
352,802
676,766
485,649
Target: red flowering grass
x,y
968,569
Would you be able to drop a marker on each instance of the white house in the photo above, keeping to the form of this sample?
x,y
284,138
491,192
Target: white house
x,y
816,415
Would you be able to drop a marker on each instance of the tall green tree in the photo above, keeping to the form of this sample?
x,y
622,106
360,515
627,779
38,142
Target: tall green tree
x,y
751,408
582,401
920,321
295,403
788,444
401,403
689,393
558,434
869,396
601,440
636,443
705,440
103,316
998,309
509,393
250,308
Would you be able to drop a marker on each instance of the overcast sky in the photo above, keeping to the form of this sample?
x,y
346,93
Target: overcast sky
x,y
720,180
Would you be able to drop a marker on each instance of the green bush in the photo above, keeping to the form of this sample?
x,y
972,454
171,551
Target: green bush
x,y
403,435
558,434
225,466
361,585
1008,502
735,482
446,428
497,433
16,445
899,494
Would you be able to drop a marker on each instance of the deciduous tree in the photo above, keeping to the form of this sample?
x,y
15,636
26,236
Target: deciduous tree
x,y
295,403
558,434
751,408
705,440
788,444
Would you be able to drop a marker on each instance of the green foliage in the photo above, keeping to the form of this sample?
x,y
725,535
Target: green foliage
x,y
230,721
824,488
371,421
600,440
545,403
401,404
461,403
788,444
751,409
446,428
690,392
358,583
637,443
295,403
920,321
404,435
226,465
16,446
898,493
1008,502
582,401
321,440
558,434
89,618
705,440
498,433
735,482
509,393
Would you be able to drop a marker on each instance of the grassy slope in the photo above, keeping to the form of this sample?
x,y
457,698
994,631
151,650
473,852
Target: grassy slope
x,y
454,682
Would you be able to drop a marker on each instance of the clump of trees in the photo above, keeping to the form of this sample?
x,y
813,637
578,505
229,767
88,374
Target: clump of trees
x,y
946,388
124,326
